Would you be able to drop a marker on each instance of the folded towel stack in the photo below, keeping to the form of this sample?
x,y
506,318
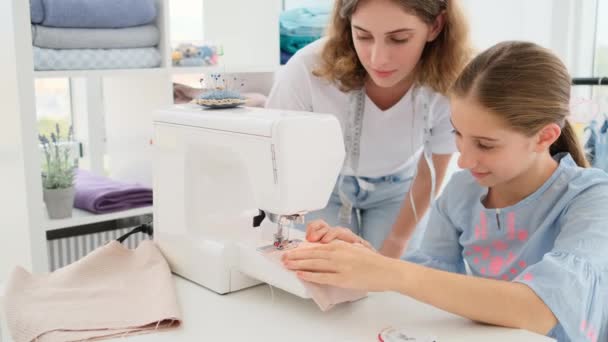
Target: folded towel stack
x,y
300,27
101,195
94,34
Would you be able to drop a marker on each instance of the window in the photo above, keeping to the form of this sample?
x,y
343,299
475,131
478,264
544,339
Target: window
x,y
186,21
601,41
600,68
53,104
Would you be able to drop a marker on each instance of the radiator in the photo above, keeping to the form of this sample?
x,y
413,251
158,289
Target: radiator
x,y
64,250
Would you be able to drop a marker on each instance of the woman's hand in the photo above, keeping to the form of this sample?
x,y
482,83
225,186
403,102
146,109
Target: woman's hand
x,y
320,231
341,264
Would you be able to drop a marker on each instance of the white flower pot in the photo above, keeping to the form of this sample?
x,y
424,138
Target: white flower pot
x,y
59,202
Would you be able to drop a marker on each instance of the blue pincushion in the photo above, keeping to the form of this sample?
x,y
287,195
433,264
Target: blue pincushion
x,y
222,93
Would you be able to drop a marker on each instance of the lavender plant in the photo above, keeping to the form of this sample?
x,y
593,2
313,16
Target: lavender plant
x,y
59,167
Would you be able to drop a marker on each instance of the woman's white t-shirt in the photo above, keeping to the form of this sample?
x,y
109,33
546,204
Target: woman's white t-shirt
x,y
391,140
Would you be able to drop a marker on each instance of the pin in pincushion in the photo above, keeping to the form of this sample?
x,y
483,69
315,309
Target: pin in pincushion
x,y
222,94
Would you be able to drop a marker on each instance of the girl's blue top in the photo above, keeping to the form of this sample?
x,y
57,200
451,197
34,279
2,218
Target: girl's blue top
x,y
555,241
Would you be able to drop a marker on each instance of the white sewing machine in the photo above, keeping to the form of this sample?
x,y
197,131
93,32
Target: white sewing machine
x,y
215,170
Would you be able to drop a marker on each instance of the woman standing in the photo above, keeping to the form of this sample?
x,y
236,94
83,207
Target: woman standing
x,y
383,70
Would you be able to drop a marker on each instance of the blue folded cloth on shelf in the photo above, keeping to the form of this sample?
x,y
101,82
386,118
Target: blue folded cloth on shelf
x,y
310,21
92,13
285,56
85,59
302,26
85,38
101,195
36,11
291,44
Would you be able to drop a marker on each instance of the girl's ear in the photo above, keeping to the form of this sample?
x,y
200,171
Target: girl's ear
x,y
436,27
547,136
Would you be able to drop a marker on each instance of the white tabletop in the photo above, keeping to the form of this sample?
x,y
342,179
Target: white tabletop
x,y
259,314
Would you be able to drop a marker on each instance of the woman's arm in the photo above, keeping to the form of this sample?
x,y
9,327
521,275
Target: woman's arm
x,y
404,226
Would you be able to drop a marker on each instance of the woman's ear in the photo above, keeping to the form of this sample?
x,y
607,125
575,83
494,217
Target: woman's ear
x,y
547,136
436,27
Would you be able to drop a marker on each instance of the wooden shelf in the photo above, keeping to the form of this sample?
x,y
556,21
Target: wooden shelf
x,y
81,217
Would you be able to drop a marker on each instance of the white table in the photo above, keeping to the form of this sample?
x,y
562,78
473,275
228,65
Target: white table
x,y
255,315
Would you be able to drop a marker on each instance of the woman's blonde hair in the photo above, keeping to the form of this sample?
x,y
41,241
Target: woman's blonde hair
x,y
528,86
440,63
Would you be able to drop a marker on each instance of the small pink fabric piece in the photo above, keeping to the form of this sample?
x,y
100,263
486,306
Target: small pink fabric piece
x,y
111,292
325,296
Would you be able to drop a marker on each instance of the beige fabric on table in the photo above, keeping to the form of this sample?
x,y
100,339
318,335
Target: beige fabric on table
x,y
113,291
325,296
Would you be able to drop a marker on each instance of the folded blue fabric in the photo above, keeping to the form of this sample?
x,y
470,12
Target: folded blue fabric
x,y
309,22
84,59
86,38
92,13
36,11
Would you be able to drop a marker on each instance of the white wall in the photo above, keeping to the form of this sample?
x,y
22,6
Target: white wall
x,y
564,26
493,21
248,32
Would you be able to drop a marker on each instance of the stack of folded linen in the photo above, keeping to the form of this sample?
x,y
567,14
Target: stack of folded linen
x,y
101,195
94,34
300,27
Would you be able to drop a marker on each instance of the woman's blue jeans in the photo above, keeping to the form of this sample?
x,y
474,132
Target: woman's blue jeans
x,y
375,208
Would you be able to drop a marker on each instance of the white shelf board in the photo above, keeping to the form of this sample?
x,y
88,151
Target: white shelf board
x,y
98,73
197,70
80,217
220,69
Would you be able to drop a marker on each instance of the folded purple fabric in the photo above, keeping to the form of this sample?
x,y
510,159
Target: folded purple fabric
x,y
101,195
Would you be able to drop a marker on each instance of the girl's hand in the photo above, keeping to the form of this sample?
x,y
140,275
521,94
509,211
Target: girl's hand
x,y
320,231
341,264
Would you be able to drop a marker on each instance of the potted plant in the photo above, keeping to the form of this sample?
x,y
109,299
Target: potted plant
x,y
58,173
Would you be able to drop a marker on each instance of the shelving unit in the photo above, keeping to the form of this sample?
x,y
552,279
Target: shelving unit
x,y
112,113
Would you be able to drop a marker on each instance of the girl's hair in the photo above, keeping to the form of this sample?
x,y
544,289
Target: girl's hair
x,y
441,60
528,86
